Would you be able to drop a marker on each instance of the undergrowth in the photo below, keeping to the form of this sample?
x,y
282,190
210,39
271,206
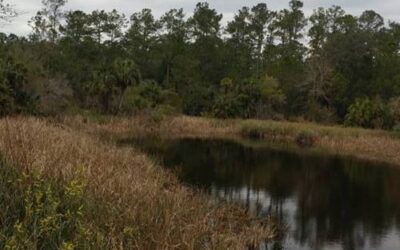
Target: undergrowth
x,y
38,213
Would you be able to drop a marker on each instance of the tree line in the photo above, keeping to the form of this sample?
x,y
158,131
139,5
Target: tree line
x,y
330,67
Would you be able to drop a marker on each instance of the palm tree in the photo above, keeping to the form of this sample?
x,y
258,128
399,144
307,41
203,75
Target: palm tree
x,y
125,73
103,86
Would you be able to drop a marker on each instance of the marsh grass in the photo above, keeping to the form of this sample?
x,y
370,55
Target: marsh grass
x,y
126,201
134,203
39,213
374,145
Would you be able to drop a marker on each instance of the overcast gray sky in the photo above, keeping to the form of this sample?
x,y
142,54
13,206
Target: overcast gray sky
x,y
390,9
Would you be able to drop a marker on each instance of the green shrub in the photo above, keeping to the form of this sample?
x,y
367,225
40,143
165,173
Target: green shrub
x,y
394,106
133,102
6,100
226,107
149,96
254,97
272,97
319,113
161,112
197,99
369,114
36,213
14,96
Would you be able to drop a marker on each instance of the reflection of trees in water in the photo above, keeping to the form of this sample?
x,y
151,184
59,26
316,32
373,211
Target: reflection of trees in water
x,y
335,206
337,200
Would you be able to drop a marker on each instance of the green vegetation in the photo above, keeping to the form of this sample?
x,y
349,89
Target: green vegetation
x,y
42,214
66,188
257,66
13,94
370,114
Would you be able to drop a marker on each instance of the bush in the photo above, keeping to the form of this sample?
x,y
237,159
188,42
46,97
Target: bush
x,y
56,96
133,101
41,214
14,96
394,106
397,127
226,107
252,98
319,113
197,99
149,96
261,98
6,100
368,113
160,113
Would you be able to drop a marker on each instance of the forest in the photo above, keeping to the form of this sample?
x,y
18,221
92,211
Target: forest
x,y
132,129
330,67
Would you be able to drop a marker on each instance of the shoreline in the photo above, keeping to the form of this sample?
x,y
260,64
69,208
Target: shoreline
x,y
120,180
364,144
130,202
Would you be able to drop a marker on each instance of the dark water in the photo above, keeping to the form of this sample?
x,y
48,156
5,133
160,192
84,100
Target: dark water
x,y
326,202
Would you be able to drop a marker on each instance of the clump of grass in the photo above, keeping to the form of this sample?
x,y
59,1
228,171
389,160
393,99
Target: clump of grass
x,y
306,139
130,202
258,130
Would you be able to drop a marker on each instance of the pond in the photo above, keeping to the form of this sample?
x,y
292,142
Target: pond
x,y
326,202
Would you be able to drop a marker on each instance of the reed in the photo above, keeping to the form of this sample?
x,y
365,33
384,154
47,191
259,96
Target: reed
x,y
128,202
374,145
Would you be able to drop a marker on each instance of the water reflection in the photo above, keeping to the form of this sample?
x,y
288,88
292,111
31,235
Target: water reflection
x,y
327,202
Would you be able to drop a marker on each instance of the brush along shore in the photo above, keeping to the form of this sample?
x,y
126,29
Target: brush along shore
x,y
64,188
374,145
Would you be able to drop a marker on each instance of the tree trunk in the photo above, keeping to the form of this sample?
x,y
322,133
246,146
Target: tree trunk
x,y
168,74
121,99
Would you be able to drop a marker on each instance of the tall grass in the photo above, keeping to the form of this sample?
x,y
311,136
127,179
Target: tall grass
x,y
375,145
37,213
122,200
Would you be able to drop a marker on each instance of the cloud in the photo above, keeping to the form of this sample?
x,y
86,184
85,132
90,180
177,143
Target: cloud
x,y
387,8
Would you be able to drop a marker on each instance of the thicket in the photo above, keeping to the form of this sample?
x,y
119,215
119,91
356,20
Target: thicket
x,y
257,66
370,114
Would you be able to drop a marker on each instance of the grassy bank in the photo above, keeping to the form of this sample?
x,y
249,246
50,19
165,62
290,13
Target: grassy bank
x,y
374,145
70,190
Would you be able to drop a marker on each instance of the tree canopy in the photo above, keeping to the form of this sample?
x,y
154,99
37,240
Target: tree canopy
x,y
262,64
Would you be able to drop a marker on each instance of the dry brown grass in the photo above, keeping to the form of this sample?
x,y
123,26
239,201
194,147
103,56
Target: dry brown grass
x,y
374,145
145,207
374,148
179,126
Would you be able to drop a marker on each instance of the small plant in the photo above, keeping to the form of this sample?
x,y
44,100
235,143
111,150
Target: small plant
x,y
306,139
42,214
394,106
252,130
159,114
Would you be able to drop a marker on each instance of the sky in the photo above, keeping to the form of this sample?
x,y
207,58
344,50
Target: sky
x,y
389,9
